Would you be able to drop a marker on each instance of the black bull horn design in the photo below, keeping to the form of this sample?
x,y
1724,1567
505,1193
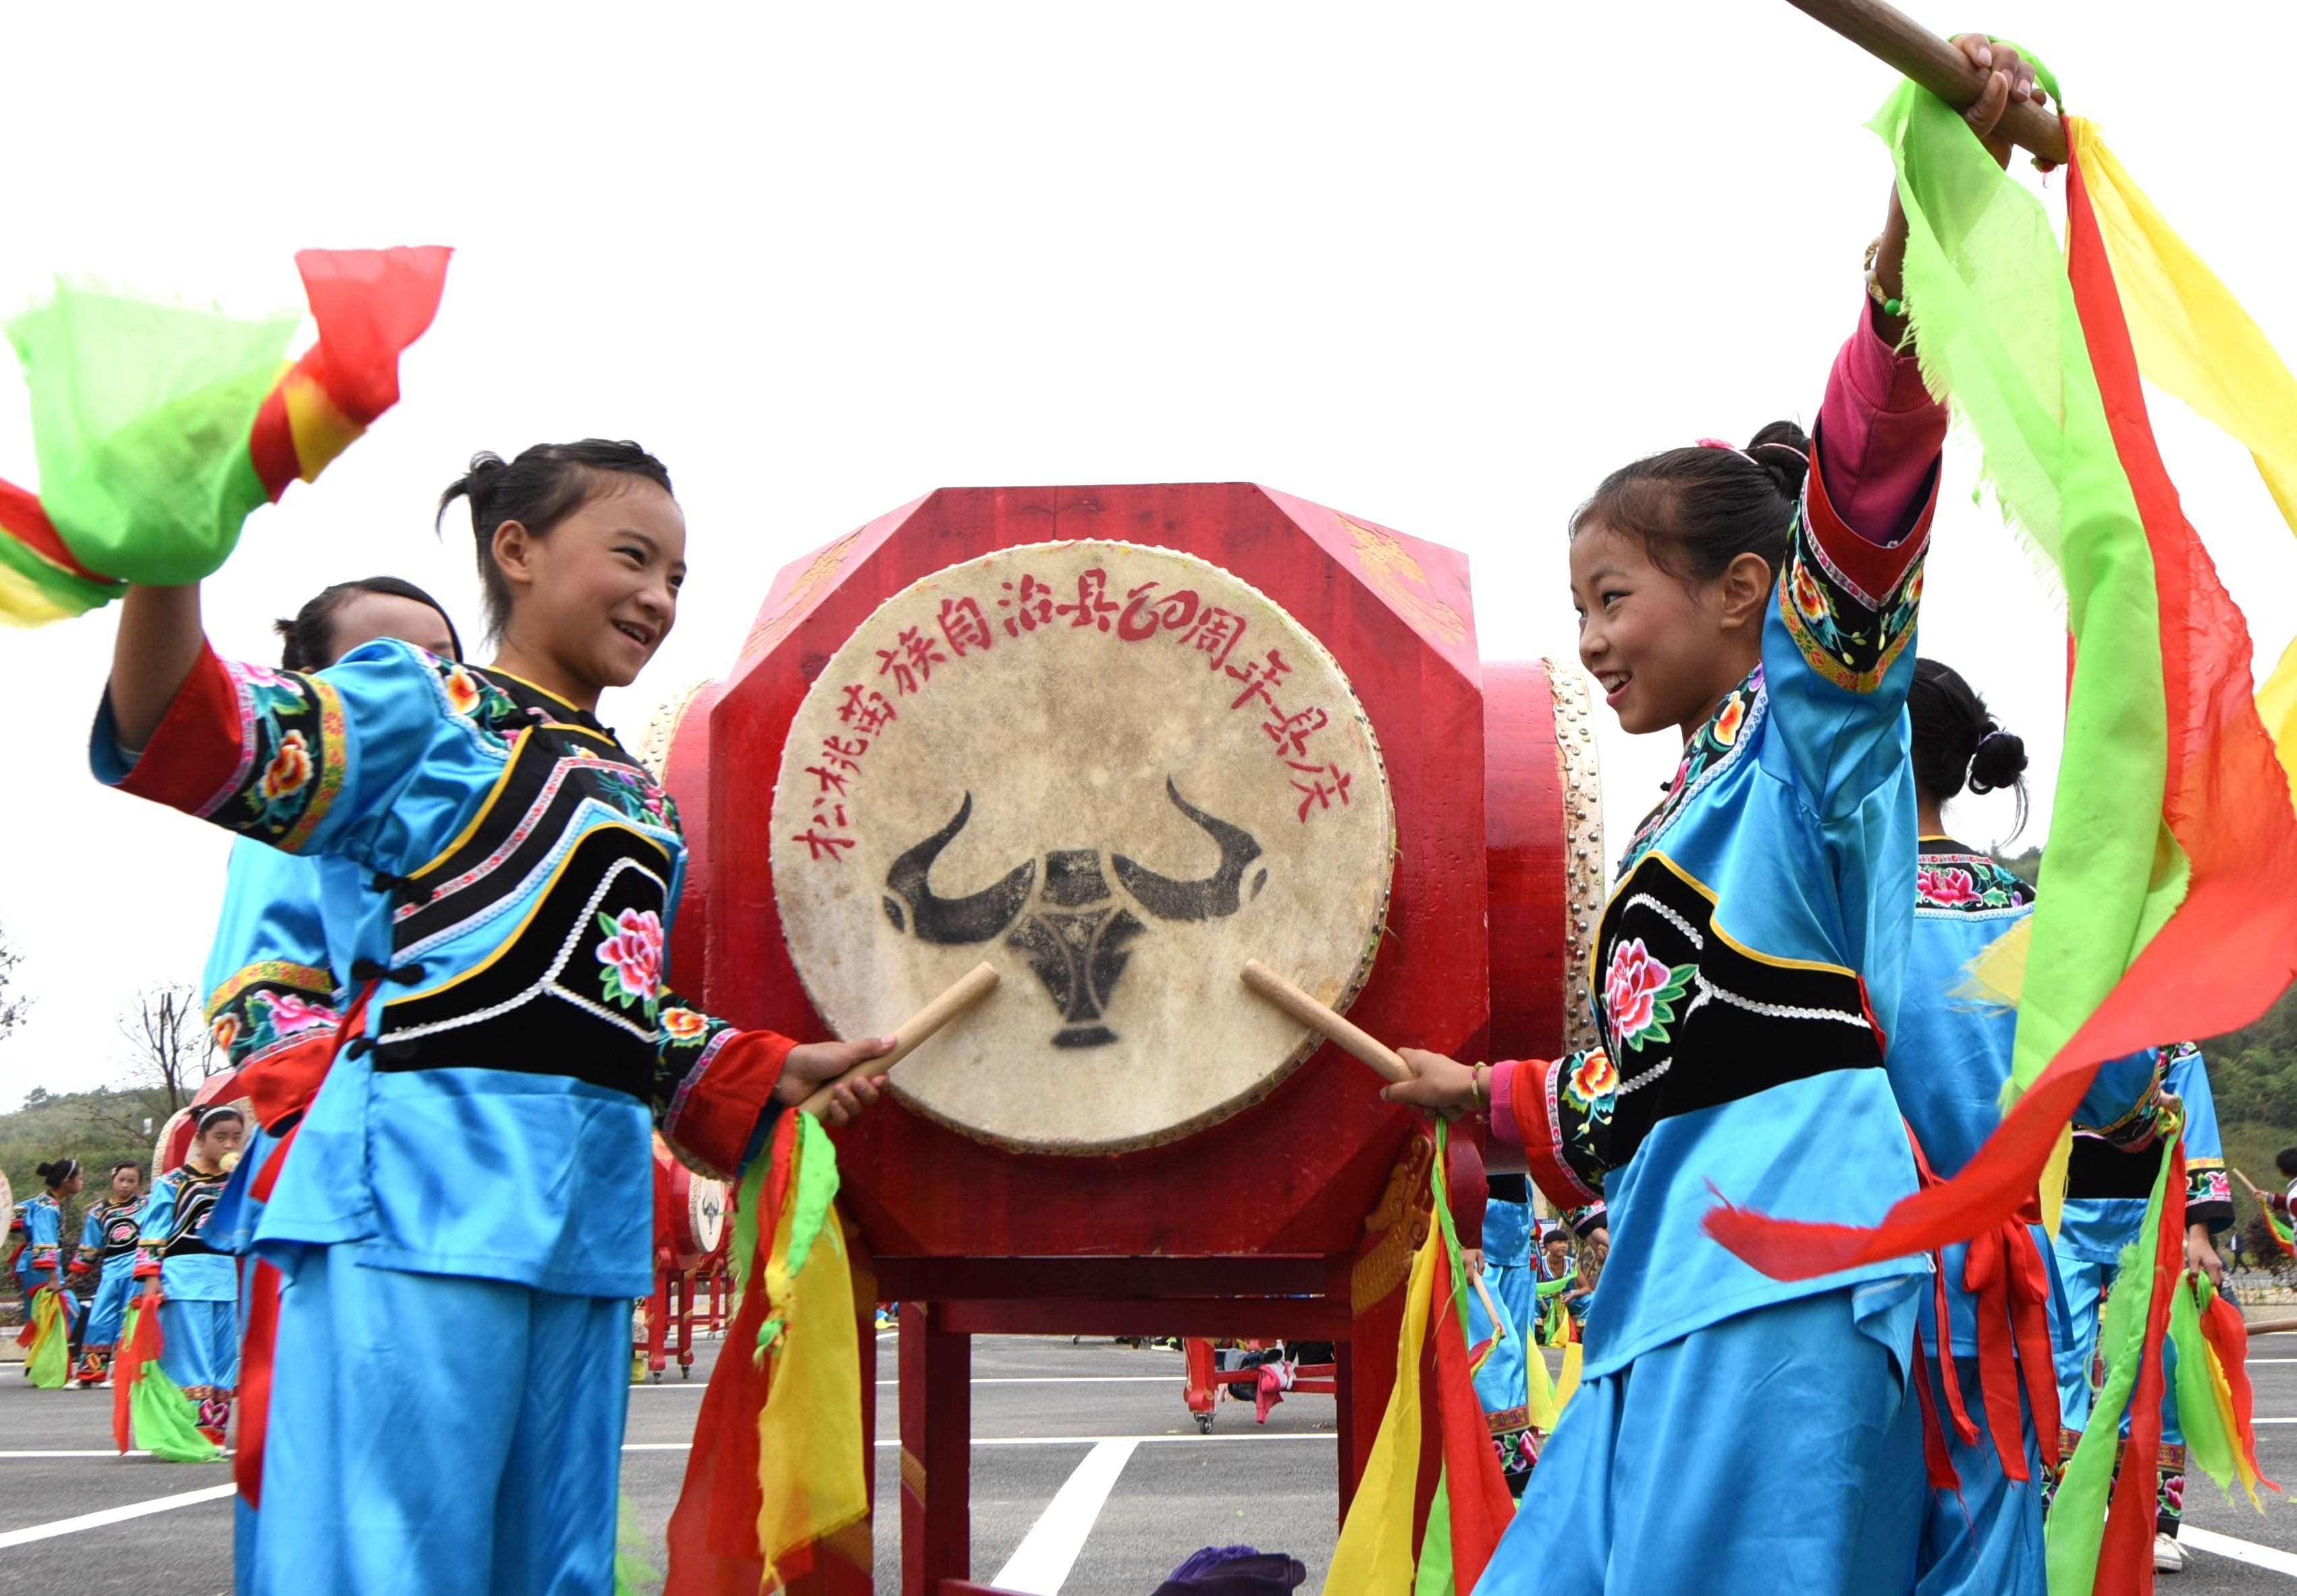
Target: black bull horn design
x,y
1077,938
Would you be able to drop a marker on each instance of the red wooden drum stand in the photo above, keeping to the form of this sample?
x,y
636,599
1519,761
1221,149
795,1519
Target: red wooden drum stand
x,y
1293,1216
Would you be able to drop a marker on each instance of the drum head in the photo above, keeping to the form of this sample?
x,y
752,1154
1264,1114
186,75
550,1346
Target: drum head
x,y
705,1215
1115,773
174,1141
7,1200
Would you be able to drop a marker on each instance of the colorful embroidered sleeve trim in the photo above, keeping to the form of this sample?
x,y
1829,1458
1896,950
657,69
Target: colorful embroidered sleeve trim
x,y
2135,1129
1849,604
1560,1108
2209,1194
1871,571
715,1088
270,1005
257,750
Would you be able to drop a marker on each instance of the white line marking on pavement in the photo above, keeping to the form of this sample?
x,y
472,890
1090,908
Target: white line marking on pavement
x,y
979,1380
2240,1551
2273,1421
1046,1554
1185,1439
134,1509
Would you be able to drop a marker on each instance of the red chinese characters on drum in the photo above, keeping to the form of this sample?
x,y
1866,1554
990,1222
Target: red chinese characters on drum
x,y
1116,771
1150,611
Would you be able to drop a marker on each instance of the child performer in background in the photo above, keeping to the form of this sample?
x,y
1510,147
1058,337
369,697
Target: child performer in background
x,y
477,1169
108,1238
50,1311
276,990
1993,1388
194,1285
2108,1182
1762,602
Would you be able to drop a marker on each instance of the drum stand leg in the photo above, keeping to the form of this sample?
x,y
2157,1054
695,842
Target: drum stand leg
x,y
1344,1397
658,1322
685,1326
936,1409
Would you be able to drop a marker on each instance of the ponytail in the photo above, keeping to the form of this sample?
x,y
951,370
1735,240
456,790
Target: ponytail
x,y
1956,743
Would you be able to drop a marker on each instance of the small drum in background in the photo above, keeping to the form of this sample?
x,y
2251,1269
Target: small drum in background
x,y
698,1218
1116,773
174,1144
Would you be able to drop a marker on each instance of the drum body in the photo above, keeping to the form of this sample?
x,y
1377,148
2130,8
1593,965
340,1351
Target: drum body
x,y
1293,1162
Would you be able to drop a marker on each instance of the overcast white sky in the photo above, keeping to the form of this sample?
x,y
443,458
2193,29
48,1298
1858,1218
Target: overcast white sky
x,y
1438,266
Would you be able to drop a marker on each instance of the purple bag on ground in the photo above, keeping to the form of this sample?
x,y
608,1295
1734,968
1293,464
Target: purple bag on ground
x,y
1235,1571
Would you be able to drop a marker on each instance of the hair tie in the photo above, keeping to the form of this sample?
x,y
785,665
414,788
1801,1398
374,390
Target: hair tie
x,y
1989,737
1802,455
1727,447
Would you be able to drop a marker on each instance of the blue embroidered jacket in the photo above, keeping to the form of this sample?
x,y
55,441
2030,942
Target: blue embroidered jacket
x,y
520,870
2108,1182
1951,1056
1747,968
39,1262
108,1236
175,1244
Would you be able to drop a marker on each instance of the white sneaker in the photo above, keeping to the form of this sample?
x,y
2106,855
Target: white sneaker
x,y
2168,1557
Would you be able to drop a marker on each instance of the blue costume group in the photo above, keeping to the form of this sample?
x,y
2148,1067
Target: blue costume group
x,y
495,878
108,1239
199,1292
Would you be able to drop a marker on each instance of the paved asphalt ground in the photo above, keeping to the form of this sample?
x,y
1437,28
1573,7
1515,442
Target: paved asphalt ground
x,y
1088,1478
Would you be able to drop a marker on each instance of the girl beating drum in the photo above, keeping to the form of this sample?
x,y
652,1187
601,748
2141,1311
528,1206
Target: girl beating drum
x,y
514,1034
1763,601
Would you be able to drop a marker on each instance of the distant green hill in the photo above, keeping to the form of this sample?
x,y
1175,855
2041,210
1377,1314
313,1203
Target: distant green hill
x,y
95,1127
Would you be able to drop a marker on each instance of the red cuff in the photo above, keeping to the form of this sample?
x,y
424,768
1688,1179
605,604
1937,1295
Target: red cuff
x,y
195,758
1874,569
1503,1121
718,1105
1538,1124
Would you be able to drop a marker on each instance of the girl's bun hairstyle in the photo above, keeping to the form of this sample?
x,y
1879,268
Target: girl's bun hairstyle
x,y
1697,509
1956,743
540,488
57,1173
309,640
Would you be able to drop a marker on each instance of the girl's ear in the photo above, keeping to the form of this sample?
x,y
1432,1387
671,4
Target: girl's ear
x,y
513,547
1743,592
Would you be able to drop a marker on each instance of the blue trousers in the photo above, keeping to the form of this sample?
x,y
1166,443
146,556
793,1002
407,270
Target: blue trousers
x,y
437,1436
200,1344
2087,1284
115,1288
1781,1450
1986,1541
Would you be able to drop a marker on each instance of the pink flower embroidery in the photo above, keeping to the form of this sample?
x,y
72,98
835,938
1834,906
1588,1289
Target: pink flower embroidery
x,y
1639,993
632,955
1948,885
291,1014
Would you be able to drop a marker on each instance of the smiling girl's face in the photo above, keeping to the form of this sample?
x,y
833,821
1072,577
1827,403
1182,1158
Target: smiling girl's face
x,y
1665,651
598,595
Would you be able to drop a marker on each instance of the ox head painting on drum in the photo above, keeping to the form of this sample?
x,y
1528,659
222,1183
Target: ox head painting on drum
x,y
1116,771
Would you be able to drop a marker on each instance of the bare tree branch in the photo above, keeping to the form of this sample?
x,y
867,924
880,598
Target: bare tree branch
x,y
168,1040
11,1008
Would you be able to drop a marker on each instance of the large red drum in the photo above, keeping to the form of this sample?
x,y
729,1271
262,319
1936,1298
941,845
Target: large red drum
x,y
1495,876
1113,741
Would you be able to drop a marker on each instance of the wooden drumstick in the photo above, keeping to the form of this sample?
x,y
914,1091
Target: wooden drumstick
x,y
1318,1018
1913,50
968,990
2269,1326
